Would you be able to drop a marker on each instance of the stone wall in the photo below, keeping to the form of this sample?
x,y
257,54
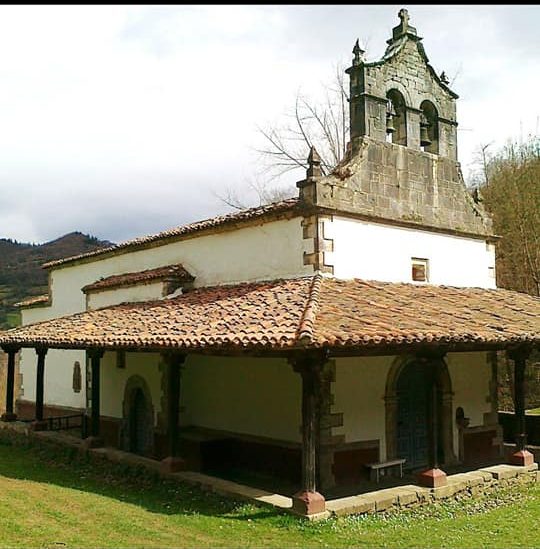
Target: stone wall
x,y
460,486
395,183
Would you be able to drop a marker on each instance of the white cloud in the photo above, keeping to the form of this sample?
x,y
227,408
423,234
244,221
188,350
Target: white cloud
x,y
122,120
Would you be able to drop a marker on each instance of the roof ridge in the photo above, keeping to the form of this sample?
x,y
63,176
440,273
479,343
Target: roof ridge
x,y
180,230
307,323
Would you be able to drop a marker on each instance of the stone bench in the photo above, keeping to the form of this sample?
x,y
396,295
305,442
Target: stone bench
x,y
376,467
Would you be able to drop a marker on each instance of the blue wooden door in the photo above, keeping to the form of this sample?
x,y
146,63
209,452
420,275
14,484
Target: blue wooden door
x,y
412,416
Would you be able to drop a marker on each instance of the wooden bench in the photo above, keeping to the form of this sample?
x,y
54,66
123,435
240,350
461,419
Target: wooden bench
x,y
376,467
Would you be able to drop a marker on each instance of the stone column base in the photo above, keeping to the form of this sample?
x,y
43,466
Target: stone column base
x,y
432,478
522,457
8,417
38,425
308,503
92,442
173,465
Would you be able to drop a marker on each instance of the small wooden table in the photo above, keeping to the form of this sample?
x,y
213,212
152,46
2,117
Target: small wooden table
x,y
376,467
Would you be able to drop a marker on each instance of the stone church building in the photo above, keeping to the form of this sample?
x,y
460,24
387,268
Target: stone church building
x,y
357,323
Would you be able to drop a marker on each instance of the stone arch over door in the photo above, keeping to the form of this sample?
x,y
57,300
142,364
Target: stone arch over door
x,y
446,424
137,417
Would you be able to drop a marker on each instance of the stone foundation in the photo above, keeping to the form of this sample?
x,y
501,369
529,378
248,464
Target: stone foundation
x,y
462,485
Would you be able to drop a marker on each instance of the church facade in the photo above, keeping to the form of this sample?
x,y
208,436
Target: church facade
x,y
357,323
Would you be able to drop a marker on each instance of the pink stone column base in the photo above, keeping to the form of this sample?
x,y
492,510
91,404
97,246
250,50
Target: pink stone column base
x,y
432,478
308,503
522,457
173,465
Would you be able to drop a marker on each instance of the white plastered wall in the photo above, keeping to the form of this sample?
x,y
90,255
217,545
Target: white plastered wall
x,y
260,252
58,376
255,396
373,251
359,392
471,375
140,292
114,379
360,386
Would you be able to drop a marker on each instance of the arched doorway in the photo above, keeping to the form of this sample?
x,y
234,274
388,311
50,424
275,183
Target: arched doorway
x,y
138,428
406,408
412,415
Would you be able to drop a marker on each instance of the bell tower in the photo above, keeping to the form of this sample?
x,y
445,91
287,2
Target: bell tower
x,y
401,166
400,98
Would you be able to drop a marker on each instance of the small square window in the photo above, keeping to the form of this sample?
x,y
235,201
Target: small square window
x,y
419,270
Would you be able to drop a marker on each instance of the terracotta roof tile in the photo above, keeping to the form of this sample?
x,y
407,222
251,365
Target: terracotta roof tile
x,y
236,217
142,277
304,312
245,315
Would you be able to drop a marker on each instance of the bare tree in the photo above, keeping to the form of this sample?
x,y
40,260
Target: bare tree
x,y
324,124
264,192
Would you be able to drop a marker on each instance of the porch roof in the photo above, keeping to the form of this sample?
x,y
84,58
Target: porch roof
x,y
308,312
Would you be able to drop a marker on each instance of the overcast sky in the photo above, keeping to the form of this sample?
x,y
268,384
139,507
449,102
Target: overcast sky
x,y
120,121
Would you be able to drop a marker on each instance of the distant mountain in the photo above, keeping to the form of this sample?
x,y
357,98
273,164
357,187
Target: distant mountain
x,y
21,275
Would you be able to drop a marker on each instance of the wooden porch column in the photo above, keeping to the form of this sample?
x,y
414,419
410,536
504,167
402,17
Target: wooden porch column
x,y
39,424
433,477
9,414
310,365
94,440
173,370
521,456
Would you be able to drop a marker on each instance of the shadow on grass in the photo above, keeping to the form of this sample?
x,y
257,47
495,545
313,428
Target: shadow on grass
x,y
40,461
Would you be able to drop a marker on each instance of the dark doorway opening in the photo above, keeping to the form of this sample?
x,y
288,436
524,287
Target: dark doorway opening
x,y
412,416
139,430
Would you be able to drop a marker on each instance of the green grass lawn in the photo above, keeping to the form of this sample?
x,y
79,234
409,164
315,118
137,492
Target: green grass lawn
x,y
49,499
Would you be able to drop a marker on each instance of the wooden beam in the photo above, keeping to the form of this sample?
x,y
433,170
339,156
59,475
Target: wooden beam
x,y
40,378
519,355
9,414
432,477
310,366
95,360
173,364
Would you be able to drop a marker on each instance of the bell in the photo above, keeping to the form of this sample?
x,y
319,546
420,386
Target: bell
x,y
424,134
390,124
390,115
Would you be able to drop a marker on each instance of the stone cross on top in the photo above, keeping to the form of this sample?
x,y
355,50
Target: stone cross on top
x,y
403,27
404,16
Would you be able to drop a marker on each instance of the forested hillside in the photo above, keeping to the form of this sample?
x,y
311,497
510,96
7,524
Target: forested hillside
x,y
21,274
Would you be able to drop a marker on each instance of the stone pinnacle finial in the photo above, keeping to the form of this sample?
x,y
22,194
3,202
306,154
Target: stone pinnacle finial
x,y
314,163
358,54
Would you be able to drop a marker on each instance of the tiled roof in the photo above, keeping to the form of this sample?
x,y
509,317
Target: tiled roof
x,y
356,313
237,217
245,315
34,301
310,312
142,277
